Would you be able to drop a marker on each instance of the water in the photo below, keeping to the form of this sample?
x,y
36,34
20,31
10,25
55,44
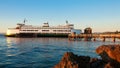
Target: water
x,y
42,52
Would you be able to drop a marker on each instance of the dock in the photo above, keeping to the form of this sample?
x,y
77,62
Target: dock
x,y
94,36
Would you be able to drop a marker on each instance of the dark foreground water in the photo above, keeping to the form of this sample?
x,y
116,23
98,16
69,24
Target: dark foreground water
x,y
41,52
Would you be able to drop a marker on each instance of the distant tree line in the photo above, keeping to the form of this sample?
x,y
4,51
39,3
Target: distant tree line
x,y
116,32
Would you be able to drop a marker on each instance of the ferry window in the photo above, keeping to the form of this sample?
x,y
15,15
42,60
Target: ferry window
x,y
36,30
30,30
23,30
59,30
45,30
65,30
54,30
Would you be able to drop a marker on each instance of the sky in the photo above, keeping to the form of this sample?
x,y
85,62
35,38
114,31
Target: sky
x,y
100,15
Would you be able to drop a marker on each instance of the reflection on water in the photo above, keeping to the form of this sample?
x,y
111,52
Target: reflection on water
x,y
42,52
9,42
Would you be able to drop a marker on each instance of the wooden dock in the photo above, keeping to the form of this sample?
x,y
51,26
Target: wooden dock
x,y
90,37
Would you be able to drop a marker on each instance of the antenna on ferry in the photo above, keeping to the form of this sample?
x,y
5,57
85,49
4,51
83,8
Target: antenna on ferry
x,y
24,21
66,22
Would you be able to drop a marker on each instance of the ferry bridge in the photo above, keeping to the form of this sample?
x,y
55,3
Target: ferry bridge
x,y
93,36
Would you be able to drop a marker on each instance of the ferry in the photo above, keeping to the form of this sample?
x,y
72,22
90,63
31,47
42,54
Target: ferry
x,y
23,30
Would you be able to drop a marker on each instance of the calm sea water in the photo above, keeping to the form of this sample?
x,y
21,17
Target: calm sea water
x,y
42,52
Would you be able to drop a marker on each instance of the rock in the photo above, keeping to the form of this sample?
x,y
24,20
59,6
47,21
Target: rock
x,y
108,65
96,63
110,54
69,60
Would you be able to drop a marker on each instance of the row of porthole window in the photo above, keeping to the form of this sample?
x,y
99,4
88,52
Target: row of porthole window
x,y
48,30
28,30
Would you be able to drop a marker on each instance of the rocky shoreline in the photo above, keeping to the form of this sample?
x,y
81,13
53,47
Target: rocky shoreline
x,y
110,58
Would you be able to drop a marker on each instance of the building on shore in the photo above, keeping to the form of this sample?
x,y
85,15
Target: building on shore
x,y
88,30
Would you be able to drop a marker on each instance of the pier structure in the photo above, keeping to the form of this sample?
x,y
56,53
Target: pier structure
x,y
94,36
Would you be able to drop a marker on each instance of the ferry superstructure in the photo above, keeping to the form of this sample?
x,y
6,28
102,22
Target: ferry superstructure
x,y
29,30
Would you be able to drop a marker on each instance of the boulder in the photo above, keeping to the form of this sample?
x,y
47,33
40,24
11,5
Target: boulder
x,y
110,54
96,63
69,60
110,58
